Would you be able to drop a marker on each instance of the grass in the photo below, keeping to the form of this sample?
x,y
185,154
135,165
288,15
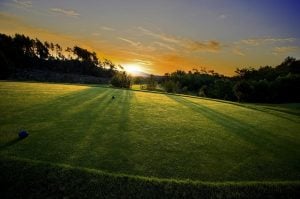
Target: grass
x,y
36,179
150,134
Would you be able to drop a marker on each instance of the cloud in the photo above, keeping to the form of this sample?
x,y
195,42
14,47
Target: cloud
x,y
26,4
164,37
164,45
238,51
261,41
208,46
107,28
11,24
69,13
285,49
143,62
188,44
136,44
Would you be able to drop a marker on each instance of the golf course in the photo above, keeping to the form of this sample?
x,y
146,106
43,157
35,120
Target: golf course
x,y
80,138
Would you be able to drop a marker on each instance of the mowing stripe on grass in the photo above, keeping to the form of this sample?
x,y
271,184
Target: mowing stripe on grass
x,y
149,134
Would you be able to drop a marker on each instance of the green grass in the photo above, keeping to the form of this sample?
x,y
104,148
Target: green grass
x,y
35,179
150,134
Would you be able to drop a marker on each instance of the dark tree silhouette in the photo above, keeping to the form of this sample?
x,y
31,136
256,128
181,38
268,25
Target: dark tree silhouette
x,y
24,58
41,49
121,79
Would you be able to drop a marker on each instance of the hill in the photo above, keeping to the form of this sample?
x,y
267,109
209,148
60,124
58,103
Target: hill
x,y
149,134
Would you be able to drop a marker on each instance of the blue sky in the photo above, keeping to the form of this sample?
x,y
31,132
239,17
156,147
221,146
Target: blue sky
x,y
159,36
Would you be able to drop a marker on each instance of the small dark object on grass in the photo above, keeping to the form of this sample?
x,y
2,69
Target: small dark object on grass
x,y
113,97
23,134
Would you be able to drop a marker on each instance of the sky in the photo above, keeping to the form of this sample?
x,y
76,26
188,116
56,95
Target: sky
x,y
159,36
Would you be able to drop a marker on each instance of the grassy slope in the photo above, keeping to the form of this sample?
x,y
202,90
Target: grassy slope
x,y
24,178
150,134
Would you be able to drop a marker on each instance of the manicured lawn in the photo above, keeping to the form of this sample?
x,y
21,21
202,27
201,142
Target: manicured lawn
x,y
150,134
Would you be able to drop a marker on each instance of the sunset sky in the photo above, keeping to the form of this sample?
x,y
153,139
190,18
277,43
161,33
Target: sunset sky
x,y
158,36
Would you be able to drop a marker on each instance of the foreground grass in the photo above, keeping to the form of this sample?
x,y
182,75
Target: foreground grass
x,y
36,179
150,134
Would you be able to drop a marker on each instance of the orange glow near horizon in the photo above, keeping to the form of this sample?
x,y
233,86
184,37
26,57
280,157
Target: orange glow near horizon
x,y
133,68
149,48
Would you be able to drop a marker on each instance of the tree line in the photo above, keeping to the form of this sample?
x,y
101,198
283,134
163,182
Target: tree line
x,y
266,84
21,53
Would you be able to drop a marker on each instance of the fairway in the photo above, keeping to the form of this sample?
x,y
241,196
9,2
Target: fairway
x,y
150,134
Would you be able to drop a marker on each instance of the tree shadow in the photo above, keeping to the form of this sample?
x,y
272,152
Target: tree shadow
x,y
61,119
54,104
262,108
268,110
105,144
120,149
258,107
248,132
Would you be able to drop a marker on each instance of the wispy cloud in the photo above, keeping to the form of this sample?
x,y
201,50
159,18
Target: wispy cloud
x,y
209,46
164,45
143,62
238,51
133,43
164,37
285,49
69,13
188,44
26,4
261,41
107,28
239,46
138,46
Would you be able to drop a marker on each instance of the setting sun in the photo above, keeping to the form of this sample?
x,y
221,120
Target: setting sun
x,y
133,68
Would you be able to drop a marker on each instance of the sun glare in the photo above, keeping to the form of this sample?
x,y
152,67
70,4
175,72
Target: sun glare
x,y
132,68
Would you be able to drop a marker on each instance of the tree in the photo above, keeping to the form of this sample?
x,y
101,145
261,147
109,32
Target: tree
x,y
171,86
203,91
222,89
151,83
261,91
41,49
121,80
243,91
25,44
85,56
111,67
58,50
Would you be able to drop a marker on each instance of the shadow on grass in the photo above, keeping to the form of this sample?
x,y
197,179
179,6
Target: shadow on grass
x,y
269,110
119,149
61,123
57,103
262,108
11,143
250,133
104,141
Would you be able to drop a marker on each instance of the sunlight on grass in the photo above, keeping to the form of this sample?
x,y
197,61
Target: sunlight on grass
x,y
149,134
